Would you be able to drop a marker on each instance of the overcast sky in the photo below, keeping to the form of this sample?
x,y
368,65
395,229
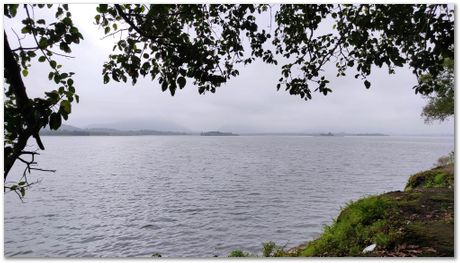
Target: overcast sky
x,y
247,103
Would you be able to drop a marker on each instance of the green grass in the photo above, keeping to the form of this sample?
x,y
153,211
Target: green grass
x,y
238,254
400,223
418,221
436,178
269,249
360,224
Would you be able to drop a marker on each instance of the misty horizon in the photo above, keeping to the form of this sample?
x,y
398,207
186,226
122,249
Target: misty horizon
x,y
175,128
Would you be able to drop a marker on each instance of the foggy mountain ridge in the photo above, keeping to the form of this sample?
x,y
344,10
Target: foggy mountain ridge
x,y
131,125
67,129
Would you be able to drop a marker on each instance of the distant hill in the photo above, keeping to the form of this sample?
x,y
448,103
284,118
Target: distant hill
x,y
68,130
137,125
65,127
339,134
64,130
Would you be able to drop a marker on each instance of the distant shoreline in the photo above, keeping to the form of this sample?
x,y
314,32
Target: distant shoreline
x,y
68,130
127,134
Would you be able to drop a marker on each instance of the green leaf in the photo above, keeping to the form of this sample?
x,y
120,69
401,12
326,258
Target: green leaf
x,y
54,96
42,59
57,78
65,105
106,78
43,43
102,8
164,86
59,12
23,191
64,115
55,121
181,81
25,30
64,47
53,64
25,72
13,10
367,84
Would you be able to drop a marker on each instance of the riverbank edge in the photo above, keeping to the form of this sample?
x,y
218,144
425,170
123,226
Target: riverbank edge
x,y
418,221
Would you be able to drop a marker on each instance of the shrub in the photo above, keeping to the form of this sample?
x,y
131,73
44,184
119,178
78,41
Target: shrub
x,y
439,177
270,249
238,254
446,160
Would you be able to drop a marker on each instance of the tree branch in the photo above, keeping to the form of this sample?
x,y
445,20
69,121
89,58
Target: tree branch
x,y
134,26
13,77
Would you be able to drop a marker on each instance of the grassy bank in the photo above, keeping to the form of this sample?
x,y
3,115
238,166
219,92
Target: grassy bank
x,y
418,221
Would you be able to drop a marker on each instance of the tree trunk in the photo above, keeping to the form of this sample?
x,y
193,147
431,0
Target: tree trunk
x,y
12,74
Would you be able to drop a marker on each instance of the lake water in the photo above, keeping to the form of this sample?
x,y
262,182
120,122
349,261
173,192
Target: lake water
x,y
200,196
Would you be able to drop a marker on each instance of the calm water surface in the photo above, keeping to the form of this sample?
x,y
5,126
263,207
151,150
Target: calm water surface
x,y
200,196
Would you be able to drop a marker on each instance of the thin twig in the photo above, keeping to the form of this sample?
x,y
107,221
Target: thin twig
x,y
59,54
43,170
114,33
25,48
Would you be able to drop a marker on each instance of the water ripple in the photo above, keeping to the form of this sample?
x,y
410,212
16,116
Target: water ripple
x,y
200,196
